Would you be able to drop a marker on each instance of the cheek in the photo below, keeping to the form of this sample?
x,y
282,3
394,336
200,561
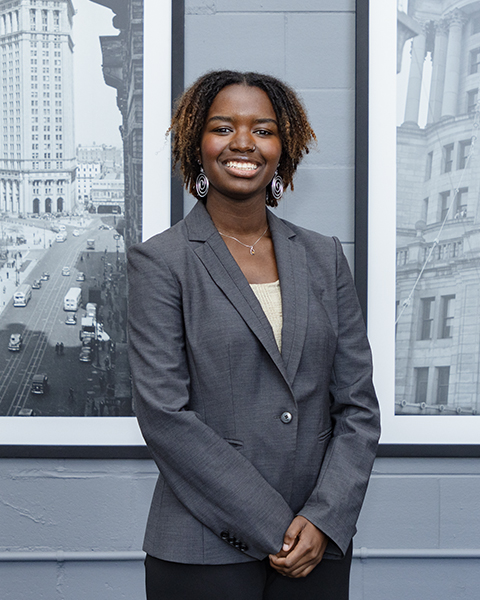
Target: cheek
x,y
274,151
210,149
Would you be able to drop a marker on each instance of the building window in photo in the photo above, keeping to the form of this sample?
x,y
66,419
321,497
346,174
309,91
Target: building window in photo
x,y
425,210
463,152
421,384
447,158
444,205
443,379
472,97
428,166
475,61
461,203
447,315
426,315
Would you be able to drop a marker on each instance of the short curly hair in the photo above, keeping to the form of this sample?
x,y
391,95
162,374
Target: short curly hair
x,y
191,112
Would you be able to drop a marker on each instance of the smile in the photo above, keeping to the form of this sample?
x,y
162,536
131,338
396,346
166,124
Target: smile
x,y
244,166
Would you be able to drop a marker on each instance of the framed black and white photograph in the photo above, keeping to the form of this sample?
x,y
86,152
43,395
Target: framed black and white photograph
x,y
81,180
423,219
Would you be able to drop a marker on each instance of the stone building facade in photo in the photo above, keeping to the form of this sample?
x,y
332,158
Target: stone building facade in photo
x,y
123,70
438,216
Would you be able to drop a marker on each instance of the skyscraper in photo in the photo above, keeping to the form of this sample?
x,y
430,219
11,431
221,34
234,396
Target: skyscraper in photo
x,y
37,146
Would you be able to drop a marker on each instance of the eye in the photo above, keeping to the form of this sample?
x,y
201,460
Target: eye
x,y
263,132
222,130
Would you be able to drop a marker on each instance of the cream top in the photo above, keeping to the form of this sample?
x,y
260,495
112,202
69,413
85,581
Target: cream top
x,y
270,298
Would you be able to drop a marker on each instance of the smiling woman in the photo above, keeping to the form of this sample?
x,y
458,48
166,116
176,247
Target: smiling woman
x,y
250,365
190,117
240,149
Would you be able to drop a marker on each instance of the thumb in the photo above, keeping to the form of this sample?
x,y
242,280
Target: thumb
x,y
291,534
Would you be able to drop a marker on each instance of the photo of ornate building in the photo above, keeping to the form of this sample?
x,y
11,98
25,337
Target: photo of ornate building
x,y
438,212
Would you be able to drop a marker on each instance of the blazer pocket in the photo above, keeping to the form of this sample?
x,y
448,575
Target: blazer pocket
x,y
234,443
325,435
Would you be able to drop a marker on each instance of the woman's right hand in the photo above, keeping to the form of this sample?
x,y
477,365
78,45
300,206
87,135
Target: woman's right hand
x,y
303,548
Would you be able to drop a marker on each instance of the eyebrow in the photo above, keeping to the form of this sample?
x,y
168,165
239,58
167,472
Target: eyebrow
x,y
230,120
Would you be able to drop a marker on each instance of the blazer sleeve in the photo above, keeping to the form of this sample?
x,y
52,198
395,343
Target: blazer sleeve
x,y
336,500
216,484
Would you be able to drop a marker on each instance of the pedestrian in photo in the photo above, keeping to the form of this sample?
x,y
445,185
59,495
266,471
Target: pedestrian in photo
x,y
251,369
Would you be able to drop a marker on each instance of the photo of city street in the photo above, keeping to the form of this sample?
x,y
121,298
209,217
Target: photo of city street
x,y
71,92
84,360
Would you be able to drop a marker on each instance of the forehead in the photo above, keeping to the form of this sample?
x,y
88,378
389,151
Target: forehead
x,y
242,100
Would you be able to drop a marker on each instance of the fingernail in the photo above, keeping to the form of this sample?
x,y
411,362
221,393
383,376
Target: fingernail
x,y
286,547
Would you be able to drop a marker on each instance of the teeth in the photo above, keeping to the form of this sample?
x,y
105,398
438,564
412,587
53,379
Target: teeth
x,y
241,165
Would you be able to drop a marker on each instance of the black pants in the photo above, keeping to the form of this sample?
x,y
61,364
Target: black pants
x,y
245,581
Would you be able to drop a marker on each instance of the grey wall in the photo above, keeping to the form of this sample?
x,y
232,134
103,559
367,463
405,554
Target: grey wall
x,y
97,509
310,45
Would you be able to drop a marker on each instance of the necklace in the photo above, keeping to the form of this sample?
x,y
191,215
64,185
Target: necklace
x,y
251,247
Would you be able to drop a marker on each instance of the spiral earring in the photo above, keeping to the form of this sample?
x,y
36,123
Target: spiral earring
x,y
277,186
202,184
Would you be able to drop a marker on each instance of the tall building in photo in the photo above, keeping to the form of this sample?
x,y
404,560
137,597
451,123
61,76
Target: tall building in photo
x,y
37,147
123,70
438,215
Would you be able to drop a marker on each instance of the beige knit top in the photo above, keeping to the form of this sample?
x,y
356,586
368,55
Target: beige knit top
x,y
270,298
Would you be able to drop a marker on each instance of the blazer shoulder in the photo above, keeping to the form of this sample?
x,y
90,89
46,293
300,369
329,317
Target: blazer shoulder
x,y
162,244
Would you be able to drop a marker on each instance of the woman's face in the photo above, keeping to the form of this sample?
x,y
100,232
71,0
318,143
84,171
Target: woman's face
x,y
240,146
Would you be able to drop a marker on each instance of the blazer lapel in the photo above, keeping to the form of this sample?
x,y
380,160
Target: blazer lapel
x,y
224,270
293,275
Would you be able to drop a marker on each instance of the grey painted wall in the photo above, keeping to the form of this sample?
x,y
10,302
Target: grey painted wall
x,y
310,45
98,508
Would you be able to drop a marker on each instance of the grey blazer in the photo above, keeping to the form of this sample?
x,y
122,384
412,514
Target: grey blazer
x,y
244,437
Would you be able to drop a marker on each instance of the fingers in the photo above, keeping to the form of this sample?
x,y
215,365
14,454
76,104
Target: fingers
x,y
293,532
297,572
303,555
307,545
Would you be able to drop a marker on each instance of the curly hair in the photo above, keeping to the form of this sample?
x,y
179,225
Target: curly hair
x,y
191,112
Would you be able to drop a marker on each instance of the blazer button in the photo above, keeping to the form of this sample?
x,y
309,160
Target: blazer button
x,y
225,535
286,417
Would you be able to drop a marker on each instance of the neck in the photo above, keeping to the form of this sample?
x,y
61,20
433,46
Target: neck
x,y
238,217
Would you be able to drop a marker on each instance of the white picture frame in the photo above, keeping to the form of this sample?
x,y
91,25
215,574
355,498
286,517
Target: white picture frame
x,y
48,435
397,429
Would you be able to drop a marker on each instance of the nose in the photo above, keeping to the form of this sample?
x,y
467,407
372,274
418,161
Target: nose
x,y
243,141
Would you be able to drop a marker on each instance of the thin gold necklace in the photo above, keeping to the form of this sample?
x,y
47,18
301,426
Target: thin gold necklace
x,y
251,247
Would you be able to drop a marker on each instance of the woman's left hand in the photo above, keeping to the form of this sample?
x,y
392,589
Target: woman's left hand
x,y
303,548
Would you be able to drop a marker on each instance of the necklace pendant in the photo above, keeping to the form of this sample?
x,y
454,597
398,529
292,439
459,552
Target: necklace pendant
x,y
252,250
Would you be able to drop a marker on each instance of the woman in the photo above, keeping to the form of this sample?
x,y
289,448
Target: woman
x,y
251,368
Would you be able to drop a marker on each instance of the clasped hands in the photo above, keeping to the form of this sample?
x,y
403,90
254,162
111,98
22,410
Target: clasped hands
x,y
302,550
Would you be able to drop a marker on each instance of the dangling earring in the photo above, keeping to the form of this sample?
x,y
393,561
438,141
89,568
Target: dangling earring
x,y
202,184
277,186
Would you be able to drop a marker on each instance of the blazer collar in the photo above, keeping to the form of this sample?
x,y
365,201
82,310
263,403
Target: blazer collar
x,y
292,270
